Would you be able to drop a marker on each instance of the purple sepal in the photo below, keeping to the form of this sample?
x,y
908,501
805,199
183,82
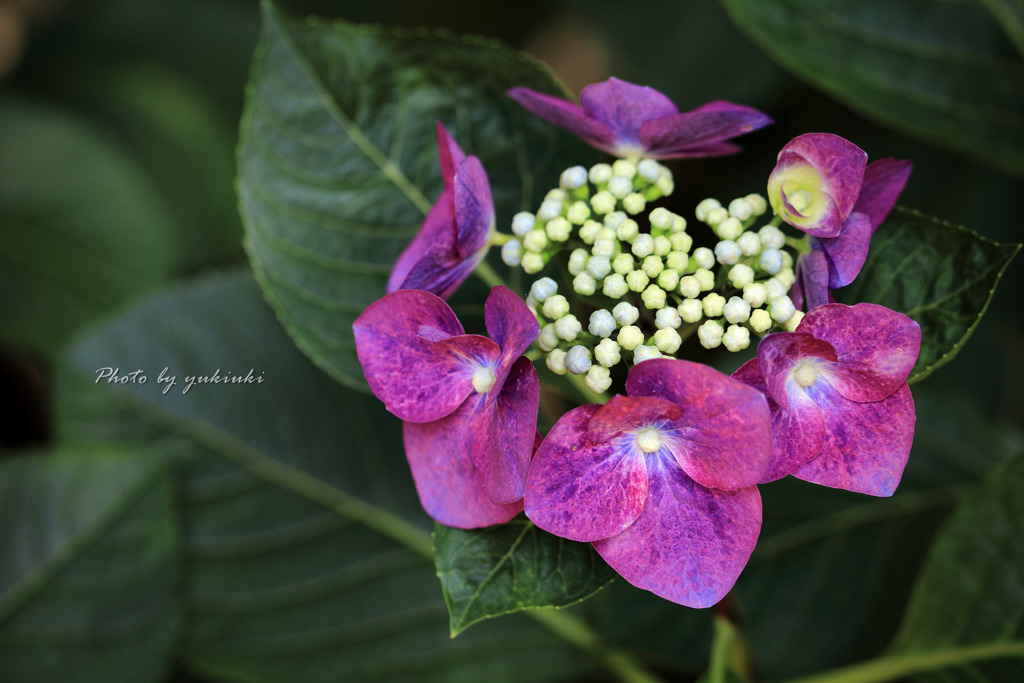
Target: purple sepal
x,y
778,353
449,154
845,254
581,490
811,286
876,348
511,324
722,438
621,414
436,238
690,543
474,209
565,115
866,445
624,107
883,182
701,132
839,162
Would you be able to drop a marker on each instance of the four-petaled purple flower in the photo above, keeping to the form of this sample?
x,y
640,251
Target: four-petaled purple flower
x,y
630,121
453,238
469,403
662,481
842,413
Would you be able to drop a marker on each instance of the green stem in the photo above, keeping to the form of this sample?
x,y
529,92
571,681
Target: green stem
x,y
897,666
584,391
487,274
497,239
721,650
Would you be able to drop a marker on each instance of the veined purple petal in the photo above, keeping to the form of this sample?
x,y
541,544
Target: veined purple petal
x,y
876,348
778,353
511,324
713,123
581,490
812,278
449,154
403,342
722,438
711,149
502,433
846,254
624,414
883,181
436,235
566,115
839,162
474,208
449,486
690,543
866,445
624,107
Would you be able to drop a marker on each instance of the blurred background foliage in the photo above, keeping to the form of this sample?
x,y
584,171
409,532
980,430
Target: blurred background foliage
x,y
118,124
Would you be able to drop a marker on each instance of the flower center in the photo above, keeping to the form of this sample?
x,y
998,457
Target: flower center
x,y
800,200
483,379
648,440
805,373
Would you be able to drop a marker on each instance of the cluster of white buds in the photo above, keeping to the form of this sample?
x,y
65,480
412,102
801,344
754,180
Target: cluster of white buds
x,y
643,285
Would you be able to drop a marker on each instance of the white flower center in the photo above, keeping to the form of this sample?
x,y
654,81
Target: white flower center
x,y
648,440
483,379
805,373
800,200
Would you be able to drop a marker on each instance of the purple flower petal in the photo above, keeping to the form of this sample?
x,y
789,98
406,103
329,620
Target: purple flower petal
x,y
839,162
449,154
436,235
502,433
876,348
846,253
867,444
474,209
449,485
722,438
691,133
883,182
510,323
624,107
624,414
690,543
581,490
565,115
812,278
778,354
415,355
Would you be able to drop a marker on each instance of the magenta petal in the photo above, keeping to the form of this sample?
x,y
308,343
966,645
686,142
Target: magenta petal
x,y
813,280
749,374
829,224
503,434
401,344
798,433
722,438
876,348
565,115
437,234
713,123
624,107
510,323
839,162
846,253
448,484
867,444
883,182
624,414
449,154
778,353
474,209
690,543
713,149
584,491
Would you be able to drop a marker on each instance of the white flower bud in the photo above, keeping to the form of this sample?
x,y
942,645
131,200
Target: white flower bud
x,y
550,208
512,253
667,317
760,320
755,294
535,241
775,288
741,209
736,338
584,284
599,266
704,257
604,247
677,260
522,223
661,218
622,263
678,224
556,194
637,280
716,216
557,229
588,231
555,306
608,353
690,310
770,261
787,259
794,321
578,260
665,185
786,276
662,245
710,334
714,305
614,219
578,213
573,178
627,230
772,237
568,327
603,202
543,289
654,297
642,353
630,337
668,279
706,279
729,229
625,313
757,203
620,186
649,170
680,241
602,324
727,252
643,245
652,265
689,286
598,379
667,340
736,310
782,309
624,168
634,203
749,243
547,339
600,173
605,233
705,207
556,361
532,263
577,361
741,275
614,286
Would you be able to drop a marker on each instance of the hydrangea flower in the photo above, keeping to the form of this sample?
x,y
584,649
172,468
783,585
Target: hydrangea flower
x,y
630,120
660,481
453,238
469,403
842,413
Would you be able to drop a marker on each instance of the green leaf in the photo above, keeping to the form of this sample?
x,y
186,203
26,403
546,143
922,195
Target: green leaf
x,y
76,244
88,566
941,275
943,71
338,160
308,557
512,567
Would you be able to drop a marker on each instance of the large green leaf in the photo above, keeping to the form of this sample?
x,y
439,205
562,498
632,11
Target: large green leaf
x,y
941,275
512,567
83,230
338,161
88,566
307,556
944,71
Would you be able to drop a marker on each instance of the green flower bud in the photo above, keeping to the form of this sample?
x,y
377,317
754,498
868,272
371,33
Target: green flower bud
x,y
630,337
536,241
691,310
760,320
667,340
736,338
689,286
548,339
623,263
532,263
555,306
668,279
710,334
661,218
755,294
625,313
605,248
714,305
557,229
716,216
643,245
615,286
653,266
578,259
634,203
578,213
654,297
704,258
603,202
608,353
627,230
637,280
568,327
522,223
741,275
729,229
598,379
741,209
705,207
662,245
680,241
749,243
624,168
642,353
757,203
620,186
706,279
667,317
794,321
512,253
584,284
556,361
588,231
600,173
677,261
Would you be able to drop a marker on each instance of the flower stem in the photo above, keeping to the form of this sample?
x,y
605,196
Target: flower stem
x,y
487,274
497,239
584,391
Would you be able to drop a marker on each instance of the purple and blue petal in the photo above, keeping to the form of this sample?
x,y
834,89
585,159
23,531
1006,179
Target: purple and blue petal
x,y
429,250
883,182
701,132
566,115
845,254
512,325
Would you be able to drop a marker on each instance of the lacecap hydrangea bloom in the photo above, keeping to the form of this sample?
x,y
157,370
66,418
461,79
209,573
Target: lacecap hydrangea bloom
x,y
469,403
